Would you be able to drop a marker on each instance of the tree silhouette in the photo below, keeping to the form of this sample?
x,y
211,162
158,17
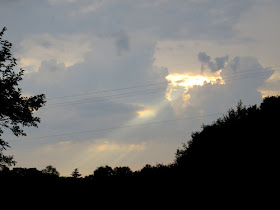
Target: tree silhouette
x,y
50,170
103,171
16,111
238,154
240,147
122,171
76,173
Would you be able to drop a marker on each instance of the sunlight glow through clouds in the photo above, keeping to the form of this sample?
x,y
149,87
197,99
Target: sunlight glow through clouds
x,y
107,146
187,81
146,113
96,146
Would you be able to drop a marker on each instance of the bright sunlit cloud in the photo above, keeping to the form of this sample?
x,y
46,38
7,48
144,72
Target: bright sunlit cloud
x,y
180,83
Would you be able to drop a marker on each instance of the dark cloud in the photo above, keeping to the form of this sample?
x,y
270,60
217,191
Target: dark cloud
x,y
122,42
220,62
203,57
206,63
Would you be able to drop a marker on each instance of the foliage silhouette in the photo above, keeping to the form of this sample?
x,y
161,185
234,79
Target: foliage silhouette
x,y
50,170
238,154
76,173
16,110
122,171
105,171
241,148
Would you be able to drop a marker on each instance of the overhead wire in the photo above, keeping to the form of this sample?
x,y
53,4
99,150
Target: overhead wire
x,y
143,92
110,90
119,127
140,93
96,99
150,84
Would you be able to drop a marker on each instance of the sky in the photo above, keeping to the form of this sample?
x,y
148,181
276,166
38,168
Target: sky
x,y
127,82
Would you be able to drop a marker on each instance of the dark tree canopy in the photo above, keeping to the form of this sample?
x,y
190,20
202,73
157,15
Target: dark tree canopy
x,y
50,170
16,110
103,171
243,144
122,171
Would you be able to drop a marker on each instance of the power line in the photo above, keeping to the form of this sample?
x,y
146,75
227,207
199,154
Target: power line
x,y
96,99
143,92
249,76
151,84
120,127
255,69
139,93
110,90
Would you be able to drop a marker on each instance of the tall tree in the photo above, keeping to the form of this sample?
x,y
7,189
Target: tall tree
x,y
16,110
76,173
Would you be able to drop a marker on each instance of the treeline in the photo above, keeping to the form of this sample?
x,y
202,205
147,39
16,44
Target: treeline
x,y
240,150
101,173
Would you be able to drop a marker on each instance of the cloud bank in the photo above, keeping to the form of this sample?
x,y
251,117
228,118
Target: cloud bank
x,y
104,64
